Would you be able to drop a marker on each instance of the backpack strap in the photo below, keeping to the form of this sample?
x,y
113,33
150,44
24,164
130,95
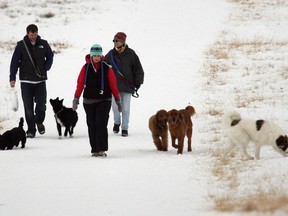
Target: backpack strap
x,y
36,68
86,73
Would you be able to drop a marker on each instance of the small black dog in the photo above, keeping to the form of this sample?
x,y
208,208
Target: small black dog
x,y
65,117
12,137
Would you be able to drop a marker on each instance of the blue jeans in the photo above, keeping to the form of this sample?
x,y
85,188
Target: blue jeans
x,y
125,100
34,93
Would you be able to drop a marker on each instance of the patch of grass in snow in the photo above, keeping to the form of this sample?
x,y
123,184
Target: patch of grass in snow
x,y
57,46
259,201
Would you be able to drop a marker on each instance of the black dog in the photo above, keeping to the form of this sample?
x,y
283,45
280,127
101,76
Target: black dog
x,y
65,117
12,137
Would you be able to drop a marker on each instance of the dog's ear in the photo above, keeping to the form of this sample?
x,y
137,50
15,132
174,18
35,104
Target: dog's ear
x,y
169,116
166,114
57,98
156,116
181,116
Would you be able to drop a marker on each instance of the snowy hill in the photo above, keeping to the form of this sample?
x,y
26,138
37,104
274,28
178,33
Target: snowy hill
x,y
216,55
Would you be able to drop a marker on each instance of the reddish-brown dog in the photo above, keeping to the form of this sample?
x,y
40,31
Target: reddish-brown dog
x,y
180,124
159,129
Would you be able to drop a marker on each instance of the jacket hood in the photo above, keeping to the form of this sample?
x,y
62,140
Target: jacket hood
x,y
87,58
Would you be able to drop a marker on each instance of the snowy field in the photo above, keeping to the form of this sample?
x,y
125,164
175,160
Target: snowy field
x,y
217,55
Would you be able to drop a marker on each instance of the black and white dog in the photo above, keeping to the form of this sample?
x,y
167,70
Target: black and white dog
x,y
65,117
12,137
260,132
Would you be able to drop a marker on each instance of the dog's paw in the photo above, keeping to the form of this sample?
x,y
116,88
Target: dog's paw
x,y
175,146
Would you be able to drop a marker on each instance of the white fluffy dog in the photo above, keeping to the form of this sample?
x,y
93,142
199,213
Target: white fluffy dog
x,y
260,132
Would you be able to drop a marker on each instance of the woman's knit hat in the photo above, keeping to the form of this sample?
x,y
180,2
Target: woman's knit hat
x,y
120,36
96,49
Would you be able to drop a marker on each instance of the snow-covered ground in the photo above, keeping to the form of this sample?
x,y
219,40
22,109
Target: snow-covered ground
x,y
216,55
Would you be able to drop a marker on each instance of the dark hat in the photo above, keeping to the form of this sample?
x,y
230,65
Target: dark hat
x,y
121,36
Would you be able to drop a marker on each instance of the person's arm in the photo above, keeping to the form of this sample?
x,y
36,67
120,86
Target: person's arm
x,y
80,82
49,55
138,72
113,84
14,65
114,89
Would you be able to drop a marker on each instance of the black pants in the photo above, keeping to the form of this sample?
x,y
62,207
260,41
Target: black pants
x,y
97,116
34,93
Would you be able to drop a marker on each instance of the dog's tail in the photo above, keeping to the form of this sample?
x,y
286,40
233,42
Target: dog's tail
x,y
231,118
21,123
190,110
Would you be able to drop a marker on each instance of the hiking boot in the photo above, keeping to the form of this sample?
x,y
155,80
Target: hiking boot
x,y
95,154
102,153
124,133
41,128
99,154
30,135
116,128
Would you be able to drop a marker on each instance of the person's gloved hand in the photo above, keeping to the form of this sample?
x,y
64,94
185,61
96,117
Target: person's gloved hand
x,y
119,104
75,103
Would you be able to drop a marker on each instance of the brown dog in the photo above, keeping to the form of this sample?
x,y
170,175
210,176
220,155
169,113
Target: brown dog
x,y
159,129
180,124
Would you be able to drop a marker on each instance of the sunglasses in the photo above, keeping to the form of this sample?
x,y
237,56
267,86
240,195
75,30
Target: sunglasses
x,y
116,40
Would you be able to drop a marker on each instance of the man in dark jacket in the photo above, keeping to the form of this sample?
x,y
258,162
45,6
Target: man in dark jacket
x,y
34,57
129,74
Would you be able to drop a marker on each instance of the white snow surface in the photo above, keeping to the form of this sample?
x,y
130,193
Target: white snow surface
x,y
52,176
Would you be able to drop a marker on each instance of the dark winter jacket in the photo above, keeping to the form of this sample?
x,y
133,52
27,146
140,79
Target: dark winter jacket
x,y
41,54
129,66
90,81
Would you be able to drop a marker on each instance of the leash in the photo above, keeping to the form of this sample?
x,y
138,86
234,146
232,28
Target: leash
x,y
56,114
126,81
